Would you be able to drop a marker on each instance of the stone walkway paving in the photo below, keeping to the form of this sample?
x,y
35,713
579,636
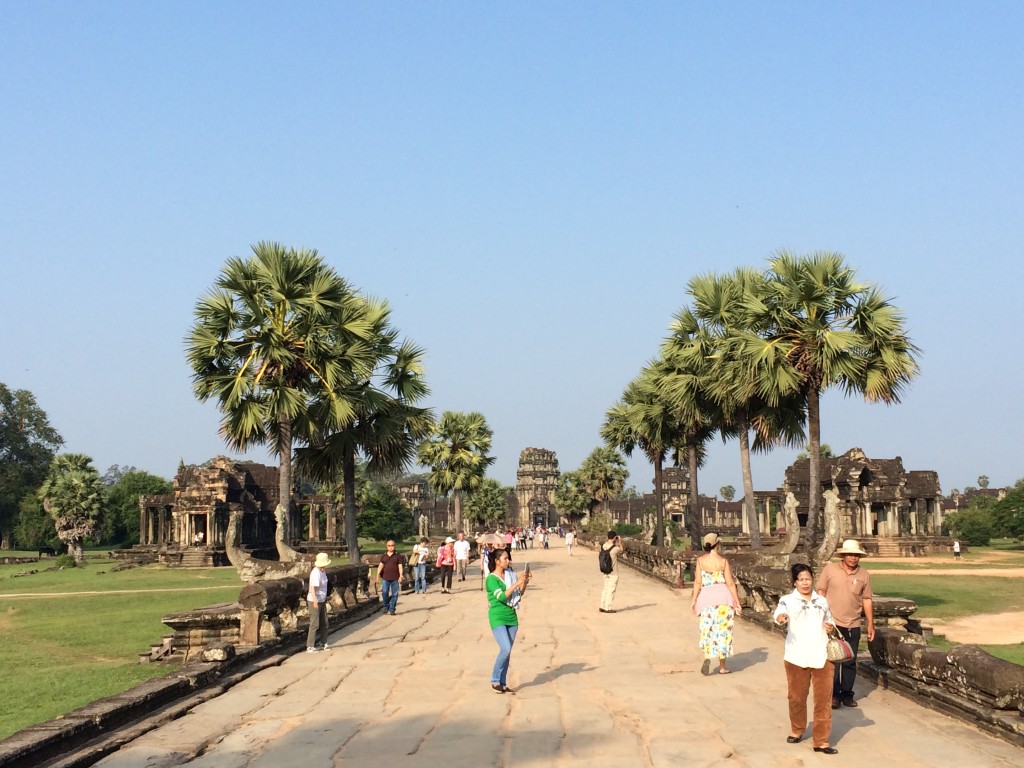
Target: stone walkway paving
x,y
592,689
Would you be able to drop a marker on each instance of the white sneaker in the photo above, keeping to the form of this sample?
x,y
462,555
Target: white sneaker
x,y
323,646
312,650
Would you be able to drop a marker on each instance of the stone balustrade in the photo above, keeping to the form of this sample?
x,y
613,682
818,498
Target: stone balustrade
x,y
268,610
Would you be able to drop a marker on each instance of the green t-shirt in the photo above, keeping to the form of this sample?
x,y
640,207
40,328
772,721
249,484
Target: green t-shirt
x,y
499,614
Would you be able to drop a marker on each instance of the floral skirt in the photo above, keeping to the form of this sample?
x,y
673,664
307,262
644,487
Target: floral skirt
x,y
716,626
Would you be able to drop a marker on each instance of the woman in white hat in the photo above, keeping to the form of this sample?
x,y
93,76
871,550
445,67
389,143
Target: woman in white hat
x,y
716,602
316,638
446,562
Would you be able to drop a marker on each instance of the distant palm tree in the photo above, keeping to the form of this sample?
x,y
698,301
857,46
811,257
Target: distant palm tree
x,y
719,317
73,495
644,419
603,474
457,455
277,332
387,426
684,370
819,327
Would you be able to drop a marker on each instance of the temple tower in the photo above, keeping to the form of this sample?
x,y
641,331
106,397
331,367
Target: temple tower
x,y
536,480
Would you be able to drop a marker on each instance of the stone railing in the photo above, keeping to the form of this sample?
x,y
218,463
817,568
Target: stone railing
x,y
965,682
267,611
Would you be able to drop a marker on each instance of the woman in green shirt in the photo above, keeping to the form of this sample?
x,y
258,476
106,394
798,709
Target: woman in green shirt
x,y
504,590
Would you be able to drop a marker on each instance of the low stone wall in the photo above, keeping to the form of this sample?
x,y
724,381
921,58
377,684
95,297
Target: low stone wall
x,y
967,682
266,610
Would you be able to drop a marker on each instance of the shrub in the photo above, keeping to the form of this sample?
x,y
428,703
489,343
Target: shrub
x,y
628,529
65,561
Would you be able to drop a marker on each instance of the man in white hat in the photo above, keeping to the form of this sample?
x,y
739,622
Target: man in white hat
x,y
847,587
316,638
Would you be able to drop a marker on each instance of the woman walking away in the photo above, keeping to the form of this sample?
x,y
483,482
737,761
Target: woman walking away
x,y
503,596
422,553
810,621
716,603
446,562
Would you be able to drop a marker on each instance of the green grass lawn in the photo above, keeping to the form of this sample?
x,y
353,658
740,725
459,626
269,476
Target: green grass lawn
x,y
951,597
62,652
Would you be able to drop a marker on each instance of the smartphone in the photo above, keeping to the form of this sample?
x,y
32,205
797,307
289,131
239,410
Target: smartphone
x,y
527,569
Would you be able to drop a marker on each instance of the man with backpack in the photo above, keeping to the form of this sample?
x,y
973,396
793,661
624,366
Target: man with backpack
x,y
607,556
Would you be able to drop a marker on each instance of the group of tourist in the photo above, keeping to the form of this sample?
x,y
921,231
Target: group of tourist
x,y
836,604
843,596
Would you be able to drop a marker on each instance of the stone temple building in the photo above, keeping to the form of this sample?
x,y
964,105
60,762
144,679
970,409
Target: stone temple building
x,y
875,497
196,512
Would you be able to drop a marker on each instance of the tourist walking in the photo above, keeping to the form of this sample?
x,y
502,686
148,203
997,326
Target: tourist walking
x,y
389,572
503,596
608,559
716,603
316,597
808,622
847,587
956,549
446,564
570,539
461,555
419,571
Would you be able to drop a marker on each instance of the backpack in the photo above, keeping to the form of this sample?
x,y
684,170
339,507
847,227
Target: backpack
x,y
604,560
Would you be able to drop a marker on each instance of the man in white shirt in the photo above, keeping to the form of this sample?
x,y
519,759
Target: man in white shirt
x,y
461,555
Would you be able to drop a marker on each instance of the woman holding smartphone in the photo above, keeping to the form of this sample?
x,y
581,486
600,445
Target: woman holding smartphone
x,y
504,591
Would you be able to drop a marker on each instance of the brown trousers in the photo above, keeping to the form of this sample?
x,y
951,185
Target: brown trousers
x,y
800,680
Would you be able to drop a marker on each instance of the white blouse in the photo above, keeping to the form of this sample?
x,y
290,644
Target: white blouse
x,y
805,640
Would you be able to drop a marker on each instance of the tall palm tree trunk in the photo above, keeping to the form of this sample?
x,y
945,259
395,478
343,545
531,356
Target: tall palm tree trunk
x,y
283,511
695,523
659,502
348,481
749,508
458,510
814,466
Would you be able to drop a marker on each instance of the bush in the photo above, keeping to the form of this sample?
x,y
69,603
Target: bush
x,y
628,529
65,561
972,525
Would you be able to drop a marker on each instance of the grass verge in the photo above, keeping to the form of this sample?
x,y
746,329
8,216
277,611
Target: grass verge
x,y
63,649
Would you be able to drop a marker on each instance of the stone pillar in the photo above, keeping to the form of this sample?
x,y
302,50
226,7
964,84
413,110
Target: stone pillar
x,y
314,523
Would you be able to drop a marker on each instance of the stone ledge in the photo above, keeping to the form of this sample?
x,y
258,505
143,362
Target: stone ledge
x,y
1007,725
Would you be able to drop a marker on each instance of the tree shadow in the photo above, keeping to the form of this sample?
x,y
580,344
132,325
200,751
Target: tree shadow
x,y
747,659
636,607
570,668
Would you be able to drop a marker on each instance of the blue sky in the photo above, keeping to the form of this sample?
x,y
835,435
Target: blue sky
x,y
530,185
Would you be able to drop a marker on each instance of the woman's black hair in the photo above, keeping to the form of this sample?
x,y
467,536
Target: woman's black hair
x,y
799,568
492,559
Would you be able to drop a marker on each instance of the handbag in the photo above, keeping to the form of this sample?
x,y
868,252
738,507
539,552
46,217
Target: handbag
x,y
837,649
414,559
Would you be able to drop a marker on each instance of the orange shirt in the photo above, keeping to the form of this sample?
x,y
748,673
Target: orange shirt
x,y
845,592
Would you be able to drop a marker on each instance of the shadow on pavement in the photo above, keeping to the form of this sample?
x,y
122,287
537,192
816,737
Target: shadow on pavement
x,y
573,668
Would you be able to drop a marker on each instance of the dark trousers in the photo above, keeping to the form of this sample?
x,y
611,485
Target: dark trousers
x,y
446,576
317,634
846,673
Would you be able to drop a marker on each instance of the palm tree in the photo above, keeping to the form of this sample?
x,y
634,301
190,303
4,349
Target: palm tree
x,y
644,419
820,327
685,366
603,474
278,331
386,429
457,455
73,494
